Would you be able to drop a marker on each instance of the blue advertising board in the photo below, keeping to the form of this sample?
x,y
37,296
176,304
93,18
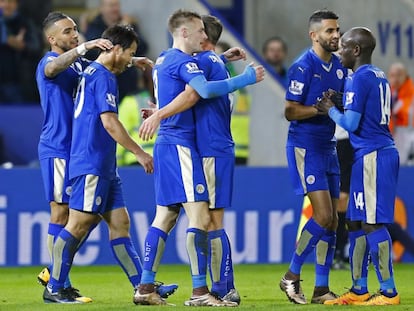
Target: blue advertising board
x,y
262,223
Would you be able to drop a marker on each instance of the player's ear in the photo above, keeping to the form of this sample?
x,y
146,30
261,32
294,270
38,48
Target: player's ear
x,y
357,50
51,40
313,36
118,49
184,32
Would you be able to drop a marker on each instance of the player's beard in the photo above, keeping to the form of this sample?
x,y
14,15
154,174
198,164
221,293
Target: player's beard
x,y
329,46
66,47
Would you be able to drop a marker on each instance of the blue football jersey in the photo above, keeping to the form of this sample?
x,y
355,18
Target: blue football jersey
x,y
56,98
212,116
368,92
172,71
309,77
93,149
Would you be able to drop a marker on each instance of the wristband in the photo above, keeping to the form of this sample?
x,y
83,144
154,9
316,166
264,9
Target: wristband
x,y
81,49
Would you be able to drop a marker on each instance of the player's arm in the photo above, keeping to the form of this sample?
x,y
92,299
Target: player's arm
x,y
142,62
297,111
348,120
209,89
185,100
118,132
63,61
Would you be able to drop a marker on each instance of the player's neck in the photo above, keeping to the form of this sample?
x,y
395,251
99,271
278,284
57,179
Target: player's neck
x,y
322,53
361,62
108,61
183,48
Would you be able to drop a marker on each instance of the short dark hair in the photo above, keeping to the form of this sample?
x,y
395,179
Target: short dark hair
x,y
52,18
212,27
124,35
271,39
320,15
180,17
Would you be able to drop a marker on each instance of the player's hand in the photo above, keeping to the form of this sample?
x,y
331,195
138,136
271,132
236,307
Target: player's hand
x,y
147,112
260,72
323,105
235,53
146,161
336,98
142,62
149,127
102,44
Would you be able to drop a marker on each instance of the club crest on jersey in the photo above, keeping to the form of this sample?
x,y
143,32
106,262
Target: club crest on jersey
x,y
111,99
339,74
349,97
192,68
68,190
200,188
310,179
98,201
296,87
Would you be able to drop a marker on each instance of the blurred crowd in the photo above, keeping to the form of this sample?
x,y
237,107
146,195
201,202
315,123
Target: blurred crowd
x,y
22,45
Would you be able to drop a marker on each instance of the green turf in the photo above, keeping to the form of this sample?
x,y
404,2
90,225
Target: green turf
x,y
257,284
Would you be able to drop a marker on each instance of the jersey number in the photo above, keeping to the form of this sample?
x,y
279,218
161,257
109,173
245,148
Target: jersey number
x,y
80,97
359,200
385,97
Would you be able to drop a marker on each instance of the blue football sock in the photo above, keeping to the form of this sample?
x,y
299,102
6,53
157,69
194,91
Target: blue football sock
x,y
310,235
153,251
63,252
53,232
325,251
197,249
230,274
127,257
380,247
358,260
219,261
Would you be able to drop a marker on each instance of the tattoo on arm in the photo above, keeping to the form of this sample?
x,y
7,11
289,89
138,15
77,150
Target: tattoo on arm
x,y
61,63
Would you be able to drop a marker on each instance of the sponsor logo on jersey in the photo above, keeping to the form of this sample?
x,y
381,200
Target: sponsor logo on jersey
x,y
296,87
111,99
192,68
349,98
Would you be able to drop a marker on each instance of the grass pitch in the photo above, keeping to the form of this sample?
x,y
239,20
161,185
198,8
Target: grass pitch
x,y
257,284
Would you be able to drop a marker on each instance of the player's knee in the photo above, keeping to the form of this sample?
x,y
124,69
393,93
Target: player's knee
x,y
369,228
325,221
200,221
59,213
